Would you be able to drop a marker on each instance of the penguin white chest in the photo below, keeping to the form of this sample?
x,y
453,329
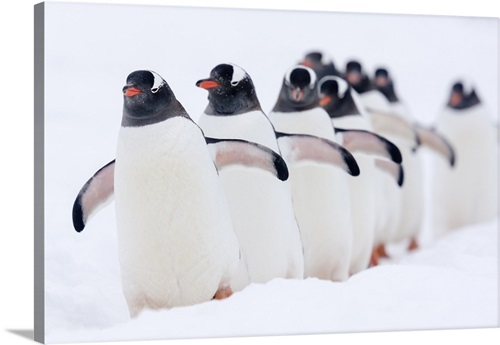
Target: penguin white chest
x,y
174,233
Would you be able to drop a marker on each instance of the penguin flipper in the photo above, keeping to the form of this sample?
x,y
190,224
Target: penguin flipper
x,y
368,142
95,193
436,142
395,125
227,152
299,147
393,169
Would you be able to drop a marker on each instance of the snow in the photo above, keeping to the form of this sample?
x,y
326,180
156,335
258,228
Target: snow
x,y
90,49
451,283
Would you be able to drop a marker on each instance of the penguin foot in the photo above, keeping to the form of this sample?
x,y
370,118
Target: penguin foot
x,y
222,293
413,245
382,253
374,260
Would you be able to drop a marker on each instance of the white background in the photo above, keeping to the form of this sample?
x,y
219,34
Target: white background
x,y
17,141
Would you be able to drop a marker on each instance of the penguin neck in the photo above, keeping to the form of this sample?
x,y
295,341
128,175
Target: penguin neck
x,y
173,109
468,102
283,105
389,93
219,106
342,107
363,86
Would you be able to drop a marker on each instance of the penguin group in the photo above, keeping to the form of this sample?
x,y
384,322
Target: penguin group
x,y
317,187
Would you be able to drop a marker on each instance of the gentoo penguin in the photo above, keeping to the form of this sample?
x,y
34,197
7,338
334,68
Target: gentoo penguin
x,y
356,77
175,239
465,194
261,205
412,210
321,195
371,209
413,197
320,63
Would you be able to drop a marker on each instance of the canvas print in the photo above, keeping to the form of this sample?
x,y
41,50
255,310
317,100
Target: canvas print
x,y
210,172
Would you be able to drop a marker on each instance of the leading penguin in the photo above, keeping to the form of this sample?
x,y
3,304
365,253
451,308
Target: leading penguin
x,y
176,244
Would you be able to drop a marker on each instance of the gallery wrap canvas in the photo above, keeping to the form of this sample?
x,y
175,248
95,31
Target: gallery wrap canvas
x,y
83,56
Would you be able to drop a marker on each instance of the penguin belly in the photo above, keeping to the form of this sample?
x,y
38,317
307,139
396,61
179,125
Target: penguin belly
x,y
412,209
466,193
362,190
175,240
321,200
261,206
388,209
321,203
412,198
264,224
362,195
388,196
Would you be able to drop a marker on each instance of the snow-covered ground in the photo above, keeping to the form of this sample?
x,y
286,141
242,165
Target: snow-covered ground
x,y
449,283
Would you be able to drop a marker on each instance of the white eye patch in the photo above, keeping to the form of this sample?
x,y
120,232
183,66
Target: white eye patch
x,y
340,82
158,82
312,75
325,59
238,75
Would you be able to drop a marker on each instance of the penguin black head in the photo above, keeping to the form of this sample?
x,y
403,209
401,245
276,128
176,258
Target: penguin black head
x,y
298,91
460,98
381,77
320,63
384,84
230,91
356,77
336,98
353,72
148,99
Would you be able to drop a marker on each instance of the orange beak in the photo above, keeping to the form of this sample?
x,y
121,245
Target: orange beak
x,y
131,91
325,100
207,84
297,94
306,63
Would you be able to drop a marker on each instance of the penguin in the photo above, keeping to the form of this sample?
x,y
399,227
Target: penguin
x,y
374,197
320,63
320,192
413,191
356,77
412,209
463,194
176,243
379,99
260,205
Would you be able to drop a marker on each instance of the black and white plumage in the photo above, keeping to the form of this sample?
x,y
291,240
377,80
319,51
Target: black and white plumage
x,y
175,238
467,192
321,192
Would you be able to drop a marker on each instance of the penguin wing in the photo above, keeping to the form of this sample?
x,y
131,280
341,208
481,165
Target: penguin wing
x,y
298,147
368,142
393,169
241,152
395,125
96,193
436,142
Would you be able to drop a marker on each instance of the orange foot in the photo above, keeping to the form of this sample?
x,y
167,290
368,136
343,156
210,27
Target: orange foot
x,y
374,260
381,251
413,244
223,293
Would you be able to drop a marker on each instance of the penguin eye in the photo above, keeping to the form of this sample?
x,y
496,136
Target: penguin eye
x,y
235,82
155,90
